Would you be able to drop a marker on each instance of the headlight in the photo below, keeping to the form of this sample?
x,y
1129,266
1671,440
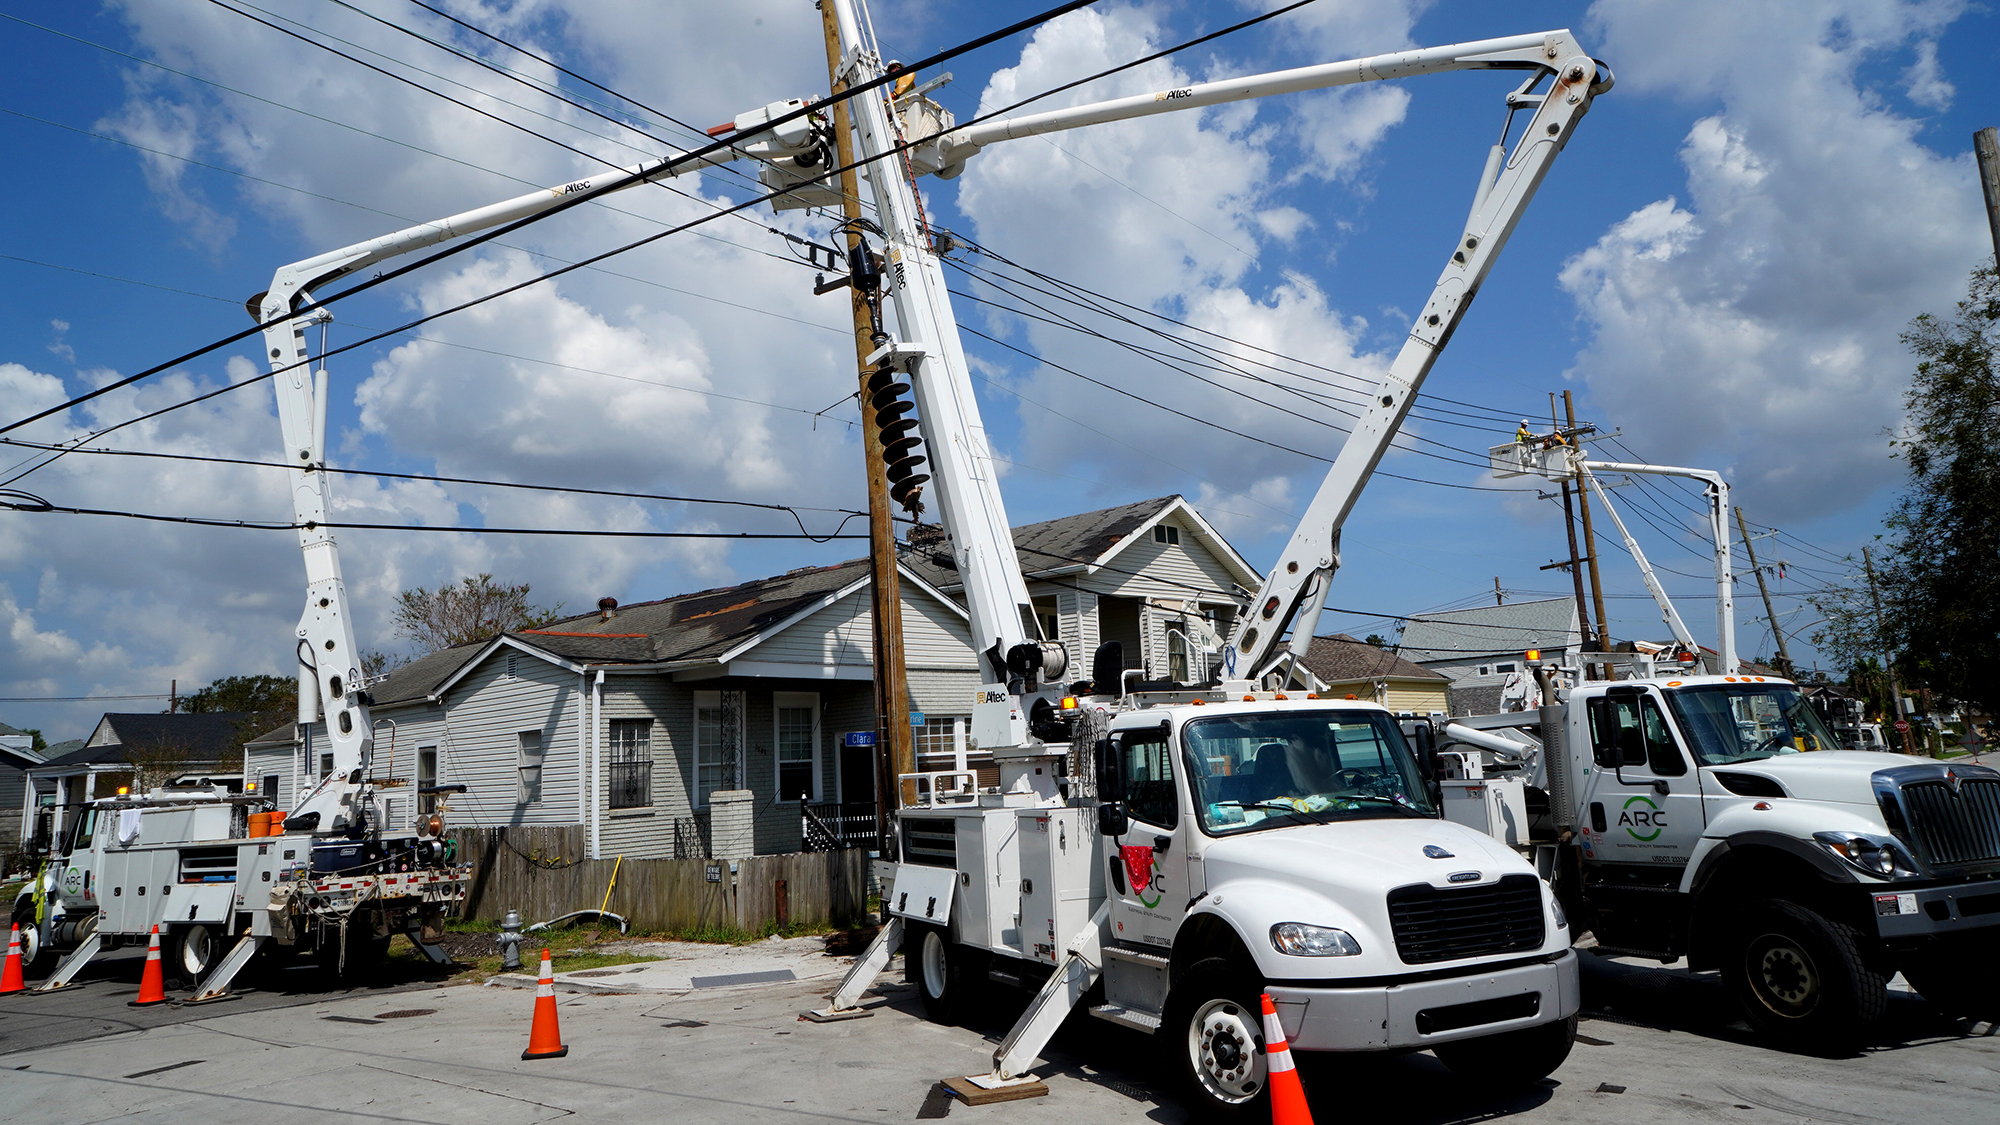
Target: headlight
x,y
1879,856
1556,907
1297,939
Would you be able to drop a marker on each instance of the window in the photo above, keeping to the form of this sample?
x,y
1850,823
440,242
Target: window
x,y
1166,533
268,789
1728,723
1177,657
1628,730
1271,770
718,739
798,745
528,760
1507,667
936,742
1148,765
631,763
427,777
1485,669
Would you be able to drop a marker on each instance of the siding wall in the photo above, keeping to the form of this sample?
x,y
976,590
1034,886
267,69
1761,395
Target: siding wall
x,y
478,741
648,832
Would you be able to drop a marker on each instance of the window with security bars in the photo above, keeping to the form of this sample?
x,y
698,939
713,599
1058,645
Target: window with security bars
x,y
795,753
631,763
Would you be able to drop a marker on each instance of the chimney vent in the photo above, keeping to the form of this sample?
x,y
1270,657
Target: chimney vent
x,y
607,608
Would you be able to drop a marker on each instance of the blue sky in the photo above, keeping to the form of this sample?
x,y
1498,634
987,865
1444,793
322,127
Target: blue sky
x,y
1718,267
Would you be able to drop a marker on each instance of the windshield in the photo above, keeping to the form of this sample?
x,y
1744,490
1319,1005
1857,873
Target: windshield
x,y
1727,723
1297,767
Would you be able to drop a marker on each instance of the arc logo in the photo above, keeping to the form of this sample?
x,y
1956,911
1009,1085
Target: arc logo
x,y
1651,816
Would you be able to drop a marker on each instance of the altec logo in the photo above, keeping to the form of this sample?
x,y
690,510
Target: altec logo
x,y
1651,816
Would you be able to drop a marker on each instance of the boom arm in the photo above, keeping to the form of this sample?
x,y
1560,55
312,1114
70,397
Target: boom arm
x,y
1668,613
1717,491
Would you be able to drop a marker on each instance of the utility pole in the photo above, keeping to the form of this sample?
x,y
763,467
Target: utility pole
x,y
1590,552
1888,665
1771,615
1575,567
1986,147
173,696
1498,597
894,753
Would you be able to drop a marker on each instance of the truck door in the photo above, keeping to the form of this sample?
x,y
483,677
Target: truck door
x,y
1147,874
1645,807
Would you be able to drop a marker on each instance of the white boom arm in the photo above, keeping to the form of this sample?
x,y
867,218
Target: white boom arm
x,y
1668,613
1717,491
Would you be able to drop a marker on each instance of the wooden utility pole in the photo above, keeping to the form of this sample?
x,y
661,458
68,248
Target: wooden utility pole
x,y
1590,551
894,753
1888,664
1771,615
1498,597
1986,148
1575,566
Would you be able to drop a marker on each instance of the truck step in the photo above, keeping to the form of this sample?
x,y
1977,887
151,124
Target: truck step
x,y
1137,1020
1136,956
1001,976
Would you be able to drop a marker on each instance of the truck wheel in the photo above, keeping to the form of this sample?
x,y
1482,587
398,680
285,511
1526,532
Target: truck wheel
x,y
943,972
1513,1058
1214,1031
1802,979
191,952
37,959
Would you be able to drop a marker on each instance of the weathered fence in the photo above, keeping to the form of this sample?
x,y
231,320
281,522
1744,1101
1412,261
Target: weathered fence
x,y
538,872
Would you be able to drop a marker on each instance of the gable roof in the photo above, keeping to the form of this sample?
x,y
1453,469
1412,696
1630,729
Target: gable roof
x,y
1089,540
1491,631
197,739
1340,658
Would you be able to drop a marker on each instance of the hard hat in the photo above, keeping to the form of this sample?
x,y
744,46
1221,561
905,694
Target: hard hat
x,y
1524,421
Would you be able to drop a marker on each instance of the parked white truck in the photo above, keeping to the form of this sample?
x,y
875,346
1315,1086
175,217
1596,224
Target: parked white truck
x,y
1713,818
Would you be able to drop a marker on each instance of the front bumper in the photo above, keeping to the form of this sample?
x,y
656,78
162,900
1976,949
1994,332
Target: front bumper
x,y
1417,1013
1949,909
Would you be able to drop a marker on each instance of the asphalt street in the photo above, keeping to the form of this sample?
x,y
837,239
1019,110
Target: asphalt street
x,y
1656,1045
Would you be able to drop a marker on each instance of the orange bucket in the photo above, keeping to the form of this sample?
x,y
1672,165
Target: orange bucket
x,y
260,824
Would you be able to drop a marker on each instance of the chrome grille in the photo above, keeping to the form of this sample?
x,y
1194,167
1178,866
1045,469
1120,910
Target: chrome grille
x,y
1434,924
1953,829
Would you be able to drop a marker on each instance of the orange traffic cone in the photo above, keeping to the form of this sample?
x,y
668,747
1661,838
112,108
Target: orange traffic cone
x,y
544,1038
10,976
1288,1096
153,982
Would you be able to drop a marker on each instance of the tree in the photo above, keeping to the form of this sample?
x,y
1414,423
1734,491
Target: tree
x,y
269,701
1375,639
1940,580
473,610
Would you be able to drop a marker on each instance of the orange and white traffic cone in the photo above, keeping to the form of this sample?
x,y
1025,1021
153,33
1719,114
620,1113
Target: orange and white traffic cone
x,y
1281,1075
10,976
544,1038
153,982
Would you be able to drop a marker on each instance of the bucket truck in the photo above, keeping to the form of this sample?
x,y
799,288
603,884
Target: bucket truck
x,y
1160,859
1714,818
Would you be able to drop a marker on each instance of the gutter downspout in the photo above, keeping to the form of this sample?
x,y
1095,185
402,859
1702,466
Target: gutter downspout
x,y
596,759
582,747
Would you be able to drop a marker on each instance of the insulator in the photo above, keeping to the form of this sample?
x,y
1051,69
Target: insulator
x,y
897,429
865,268
893,411
904,468
886,395
893,451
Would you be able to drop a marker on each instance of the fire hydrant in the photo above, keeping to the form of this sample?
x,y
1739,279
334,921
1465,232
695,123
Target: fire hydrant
x,y
509,941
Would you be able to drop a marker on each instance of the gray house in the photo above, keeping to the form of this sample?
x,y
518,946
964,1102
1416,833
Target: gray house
x,y
126,750
1480,649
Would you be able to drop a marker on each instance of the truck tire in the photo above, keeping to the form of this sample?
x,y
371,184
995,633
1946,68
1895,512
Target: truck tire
x,y
946,973
191,951
37,959
1511,1058
1954,980
1214,1035
1802,979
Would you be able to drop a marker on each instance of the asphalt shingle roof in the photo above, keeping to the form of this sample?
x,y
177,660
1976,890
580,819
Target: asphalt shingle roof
x,y
1490,630
197,739
1059,544
1339,658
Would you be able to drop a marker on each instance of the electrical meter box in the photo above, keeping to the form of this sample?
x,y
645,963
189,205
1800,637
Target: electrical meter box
x,y
1062,880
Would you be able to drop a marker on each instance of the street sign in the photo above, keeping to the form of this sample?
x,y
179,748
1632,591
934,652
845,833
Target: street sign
x,y
916,718
1902,726
861,738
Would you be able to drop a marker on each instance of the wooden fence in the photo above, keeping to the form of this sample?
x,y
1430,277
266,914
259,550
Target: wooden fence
x,y
539,872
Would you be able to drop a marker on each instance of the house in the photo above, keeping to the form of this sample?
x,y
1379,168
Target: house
x,y
697,724
125,750
17,757
1479,649
632,720
1347,668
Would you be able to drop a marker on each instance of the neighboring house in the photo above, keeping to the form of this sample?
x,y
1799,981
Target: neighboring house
x,y
17,757
1348,668
629,720
1479,649
156,749
1152,575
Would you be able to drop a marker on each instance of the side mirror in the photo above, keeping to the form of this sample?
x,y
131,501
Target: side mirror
x,y
1110,778
1111,819
1107,668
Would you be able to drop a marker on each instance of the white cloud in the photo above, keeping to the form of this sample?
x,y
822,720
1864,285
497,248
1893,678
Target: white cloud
x,y
1925,81
1754,326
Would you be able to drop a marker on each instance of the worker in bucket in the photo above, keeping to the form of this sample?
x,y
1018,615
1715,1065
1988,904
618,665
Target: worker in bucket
x,y
1522,435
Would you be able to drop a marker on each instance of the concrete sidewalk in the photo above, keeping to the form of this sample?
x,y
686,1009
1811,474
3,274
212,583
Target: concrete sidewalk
x,y
688,966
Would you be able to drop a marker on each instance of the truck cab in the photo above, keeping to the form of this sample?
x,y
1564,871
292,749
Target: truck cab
x,y
1716,819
